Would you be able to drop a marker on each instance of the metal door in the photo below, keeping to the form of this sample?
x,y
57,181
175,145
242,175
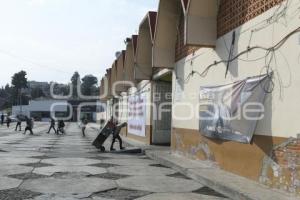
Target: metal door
x,y
162,112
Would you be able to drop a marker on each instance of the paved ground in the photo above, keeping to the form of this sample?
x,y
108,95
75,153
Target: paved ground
x,y
51,167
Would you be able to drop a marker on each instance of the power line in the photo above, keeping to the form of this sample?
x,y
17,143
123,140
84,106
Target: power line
x,y
30,61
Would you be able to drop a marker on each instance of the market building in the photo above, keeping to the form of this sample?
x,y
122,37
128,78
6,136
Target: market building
x,y
214,57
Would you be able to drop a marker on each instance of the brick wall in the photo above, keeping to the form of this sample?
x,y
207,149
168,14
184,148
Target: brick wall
x,y
282,169
234,13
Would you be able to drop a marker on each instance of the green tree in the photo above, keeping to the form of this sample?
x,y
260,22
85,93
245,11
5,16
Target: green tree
x,y
74,80
19,82
89,85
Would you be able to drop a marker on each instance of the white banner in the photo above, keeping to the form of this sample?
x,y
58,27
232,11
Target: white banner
x,y
231,112
137,115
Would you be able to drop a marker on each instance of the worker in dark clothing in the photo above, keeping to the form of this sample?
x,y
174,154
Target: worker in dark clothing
x,y
29,126
83,126
19,124
2,119
60,127
8,121
52,125
116,133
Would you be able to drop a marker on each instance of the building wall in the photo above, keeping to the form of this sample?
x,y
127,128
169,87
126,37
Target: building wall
x,y
234,13
143,87
16,110
41,106
123,114
281,106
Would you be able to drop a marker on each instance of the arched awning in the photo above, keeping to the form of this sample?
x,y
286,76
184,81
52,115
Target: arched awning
x,y
143,58
106,86
113,76
129,59
120,73
102,89
200,22
165,37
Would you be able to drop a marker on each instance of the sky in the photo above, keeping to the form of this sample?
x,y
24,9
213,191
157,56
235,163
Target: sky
x,y
51,39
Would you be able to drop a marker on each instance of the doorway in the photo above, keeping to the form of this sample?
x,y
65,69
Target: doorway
x,y
162,111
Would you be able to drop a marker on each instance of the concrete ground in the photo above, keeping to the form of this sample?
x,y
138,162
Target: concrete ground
x,y
51,167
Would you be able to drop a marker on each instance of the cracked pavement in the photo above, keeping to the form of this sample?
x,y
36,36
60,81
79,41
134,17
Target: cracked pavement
x,y
68,167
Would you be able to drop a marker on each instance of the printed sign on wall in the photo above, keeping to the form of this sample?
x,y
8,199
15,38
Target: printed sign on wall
x,y
231,112
137,115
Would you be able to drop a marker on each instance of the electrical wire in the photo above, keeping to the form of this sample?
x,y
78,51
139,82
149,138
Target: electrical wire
x,y
249,49
269,56
278,13
30,61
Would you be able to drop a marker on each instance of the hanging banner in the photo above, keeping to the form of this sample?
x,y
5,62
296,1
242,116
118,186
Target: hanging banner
x,y
137,115
231,112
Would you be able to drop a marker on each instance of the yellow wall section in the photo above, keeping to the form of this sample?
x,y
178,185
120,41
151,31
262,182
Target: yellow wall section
x,y
241,159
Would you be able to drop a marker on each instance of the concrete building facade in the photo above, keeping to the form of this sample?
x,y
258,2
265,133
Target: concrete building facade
x,y
189,44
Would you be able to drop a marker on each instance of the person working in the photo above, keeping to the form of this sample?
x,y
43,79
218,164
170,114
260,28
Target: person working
x,y
116,133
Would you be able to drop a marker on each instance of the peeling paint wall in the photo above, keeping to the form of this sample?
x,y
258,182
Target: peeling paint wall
x,y
281,168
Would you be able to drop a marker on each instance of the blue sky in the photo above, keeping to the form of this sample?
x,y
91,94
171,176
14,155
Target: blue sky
x,y
50,39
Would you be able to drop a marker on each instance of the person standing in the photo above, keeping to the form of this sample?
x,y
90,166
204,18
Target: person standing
x,y
84,123
8,121
19,123
29,126
52,125
2,119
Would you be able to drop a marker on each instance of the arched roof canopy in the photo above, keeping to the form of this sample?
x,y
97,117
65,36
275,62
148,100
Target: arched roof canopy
x,y
143,59
129,60
102,89
106,85
200,22
120,72
165,37
113,76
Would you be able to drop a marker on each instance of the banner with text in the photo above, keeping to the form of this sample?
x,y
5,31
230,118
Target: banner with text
x,y
137,115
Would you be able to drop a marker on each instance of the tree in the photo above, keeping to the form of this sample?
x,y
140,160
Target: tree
x,y
75,79
19,82
89,83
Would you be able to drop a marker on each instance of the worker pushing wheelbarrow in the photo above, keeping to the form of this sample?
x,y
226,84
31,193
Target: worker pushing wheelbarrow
x,y
111,127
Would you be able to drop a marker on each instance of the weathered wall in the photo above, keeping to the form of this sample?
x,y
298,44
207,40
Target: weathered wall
x,y
281,106
242,159
146,139
144,88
